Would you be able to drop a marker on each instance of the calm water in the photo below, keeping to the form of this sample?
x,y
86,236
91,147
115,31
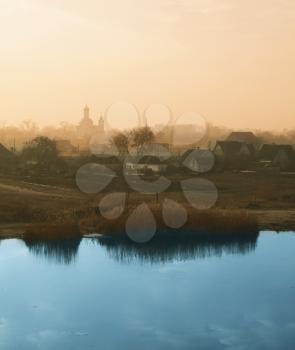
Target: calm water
x,y
104,295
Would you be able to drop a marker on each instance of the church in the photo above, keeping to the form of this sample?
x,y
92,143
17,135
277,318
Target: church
x,y
87,128
91,135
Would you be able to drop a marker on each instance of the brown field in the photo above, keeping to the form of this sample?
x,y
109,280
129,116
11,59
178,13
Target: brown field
x,y
270,198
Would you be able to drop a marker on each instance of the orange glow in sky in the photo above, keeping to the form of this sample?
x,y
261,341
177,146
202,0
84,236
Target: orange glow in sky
x,y
232,61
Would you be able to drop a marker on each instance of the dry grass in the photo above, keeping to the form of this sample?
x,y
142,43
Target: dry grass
x,y
208,222
47,231
222,221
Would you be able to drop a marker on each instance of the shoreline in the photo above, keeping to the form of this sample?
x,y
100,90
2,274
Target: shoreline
x,y
268,220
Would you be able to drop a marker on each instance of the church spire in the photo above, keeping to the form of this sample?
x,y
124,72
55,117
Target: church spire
x,y
86,112
101,123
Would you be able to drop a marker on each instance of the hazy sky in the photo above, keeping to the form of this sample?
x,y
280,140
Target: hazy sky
x,y
233,61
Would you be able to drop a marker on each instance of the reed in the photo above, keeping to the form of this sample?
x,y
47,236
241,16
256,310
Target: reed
x,y
207,222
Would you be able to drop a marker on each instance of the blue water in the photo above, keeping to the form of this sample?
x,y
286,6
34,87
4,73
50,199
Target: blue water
x,y
94,296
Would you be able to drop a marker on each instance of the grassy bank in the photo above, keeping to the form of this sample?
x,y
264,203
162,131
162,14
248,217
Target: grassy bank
x,y
51,232
210,221
246,202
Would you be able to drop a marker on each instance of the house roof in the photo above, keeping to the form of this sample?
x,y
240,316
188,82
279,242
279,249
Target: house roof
x,y
289,151
199,160
243,136
269,151
231,148
194,151
4,152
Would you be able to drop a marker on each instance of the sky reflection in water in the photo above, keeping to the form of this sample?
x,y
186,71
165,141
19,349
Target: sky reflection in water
x,y
90,294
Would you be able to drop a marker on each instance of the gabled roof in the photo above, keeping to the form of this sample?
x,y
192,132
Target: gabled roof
x,y
243,136
269,151
289,151
194,151
198,160
231,148
5,153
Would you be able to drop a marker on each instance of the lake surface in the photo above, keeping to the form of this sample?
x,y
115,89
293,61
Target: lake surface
x,y
97,294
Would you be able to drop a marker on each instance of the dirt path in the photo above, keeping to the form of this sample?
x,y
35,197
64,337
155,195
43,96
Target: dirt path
x,y
27,188
28,191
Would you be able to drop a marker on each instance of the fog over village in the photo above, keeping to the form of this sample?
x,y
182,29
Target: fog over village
x,y
90,125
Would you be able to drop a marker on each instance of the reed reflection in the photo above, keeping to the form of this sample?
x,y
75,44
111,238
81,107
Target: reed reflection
x,y
62,251
170,247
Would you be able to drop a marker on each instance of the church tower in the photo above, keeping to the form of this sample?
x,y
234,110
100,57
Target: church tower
x,y
101,125
86,112
85,127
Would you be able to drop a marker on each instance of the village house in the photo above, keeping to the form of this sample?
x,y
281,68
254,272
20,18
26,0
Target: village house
x,y
145,164
281,156
155,149
198,160
247,137
233,154
231,150
285,159
8,160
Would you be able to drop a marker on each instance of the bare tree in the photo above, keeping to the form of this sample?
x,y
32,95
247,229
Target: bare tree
x,y
141,136
121,141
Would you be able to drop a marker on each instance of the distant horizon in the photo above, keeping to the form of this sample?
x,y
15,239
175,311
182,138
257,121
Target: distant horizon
x,y
56,124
